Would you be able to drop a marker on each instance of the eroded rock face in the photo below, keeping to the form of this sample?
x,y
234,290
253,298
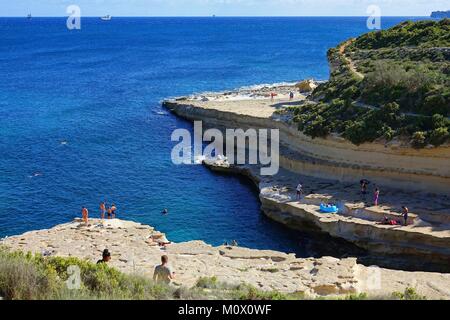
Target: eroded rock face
x,y
333,157
135,249
328,167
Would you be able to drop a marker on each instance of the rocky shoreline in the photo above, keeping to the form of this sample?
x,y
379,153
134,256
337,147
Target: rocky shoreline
x,y
424,244
135,250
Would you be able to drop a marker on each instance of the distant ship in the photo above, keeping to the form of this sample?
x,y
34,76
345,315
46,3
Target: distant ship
x,y
29,16
106,18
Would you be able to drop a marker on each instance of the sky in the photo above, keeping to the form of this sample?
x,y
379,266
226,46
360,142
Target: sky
x,y
222,7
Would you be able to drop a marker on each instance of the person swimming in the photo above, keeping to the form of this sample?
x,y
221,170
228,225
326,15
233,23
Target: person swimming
x,y
165,212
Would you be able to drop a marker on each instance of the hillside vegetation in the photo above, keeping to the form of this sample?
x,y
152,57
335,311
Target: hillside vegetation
x,y
386,84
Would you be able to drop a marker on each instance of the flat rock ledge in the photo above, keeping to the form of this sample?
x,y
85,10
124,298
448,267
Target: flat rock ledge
x,y
135,249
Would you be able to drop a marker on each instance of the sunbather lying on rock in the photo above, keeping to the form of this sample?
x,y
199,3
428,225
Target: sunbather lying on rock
x,y
391,222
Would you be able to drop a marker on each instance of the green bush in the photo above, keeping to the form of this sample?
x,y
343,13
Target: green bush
x,y
247,292
33,277
22,279
408,294
418,139
439,136
207,283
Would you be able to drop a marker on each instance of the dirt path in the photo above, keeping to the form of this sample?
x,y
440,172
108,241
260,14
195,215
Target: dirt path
x,y
348,60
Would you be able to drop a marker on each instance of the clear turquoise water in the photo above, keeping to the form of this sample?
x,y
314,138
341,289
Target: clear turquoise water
x,y
100,89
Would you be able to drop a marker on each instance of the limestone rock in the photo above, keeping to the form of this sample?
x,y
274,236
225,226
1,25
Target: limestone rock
x,y
306,86
264,269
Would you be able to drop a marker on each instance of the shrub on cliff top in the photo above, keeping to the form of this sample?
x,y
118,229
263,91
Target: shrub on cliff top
x,y
34,277
408,294
406,66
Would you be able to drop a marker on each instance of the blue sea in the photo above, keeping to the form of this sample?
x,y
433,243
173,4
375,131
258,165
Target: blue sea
x,y
81,119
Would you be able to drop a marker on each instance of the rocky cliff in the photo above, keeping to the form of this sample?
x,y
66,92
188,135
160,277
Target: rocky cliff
x,y
391,165
330,170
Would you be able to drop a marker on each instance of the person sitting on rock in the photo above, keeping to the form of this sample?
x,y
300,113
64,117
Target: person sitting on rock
x,y
389,222
163,273
106,256
385,220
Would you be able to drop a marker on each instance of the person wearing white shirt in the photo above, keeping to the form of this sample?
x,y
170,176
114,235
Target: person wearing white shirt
x,y
299,191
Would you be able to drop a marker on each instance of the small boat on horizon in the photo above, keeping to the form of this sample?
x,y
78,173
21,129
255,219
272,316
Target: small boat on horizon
x,y
29,16
106,18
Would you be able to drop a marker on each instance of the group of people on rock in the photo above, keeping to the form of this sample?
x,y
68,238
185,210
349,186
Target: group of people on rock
x,y
394,222
233,243
364,183
162,274
273,95
376,195
110,211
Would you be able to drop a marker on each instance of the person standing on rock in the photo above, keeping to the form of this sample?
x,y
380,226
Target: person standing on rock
x,y
405,212
299,191
376,196
113,211
102,210
364,184
163,273
85,214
